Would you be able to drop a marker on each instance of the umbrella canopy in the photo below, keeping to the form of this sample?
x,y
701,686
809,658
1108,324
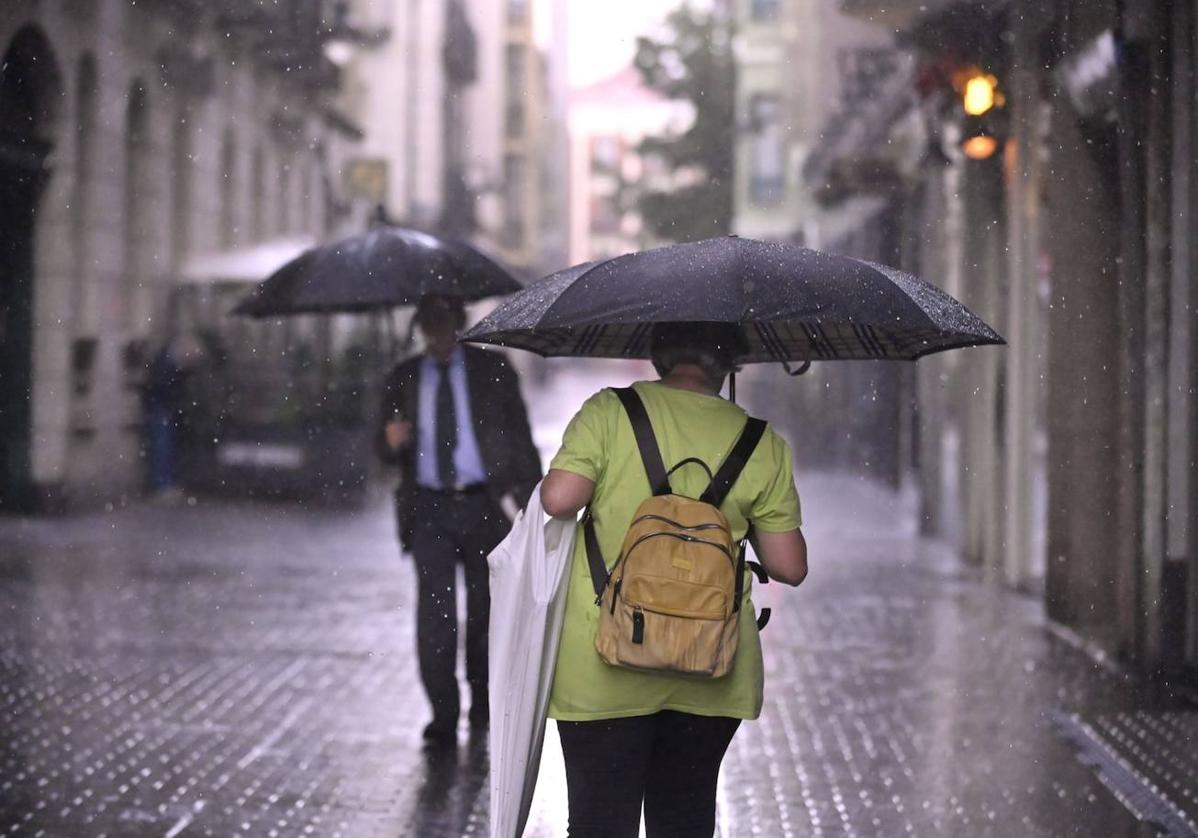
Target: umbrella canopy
x,y
792,303
379,269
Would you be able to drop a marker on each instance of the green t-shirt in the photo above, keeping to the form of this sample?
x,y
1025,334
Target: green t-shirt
x,y
599,444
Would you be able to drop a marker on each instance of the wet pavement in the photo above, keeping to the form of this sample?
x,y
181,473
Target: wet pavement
x,y
235,669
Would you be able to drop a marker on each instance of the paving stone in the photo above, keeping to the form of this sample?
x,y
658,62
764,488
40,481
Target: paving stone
x,y
246,669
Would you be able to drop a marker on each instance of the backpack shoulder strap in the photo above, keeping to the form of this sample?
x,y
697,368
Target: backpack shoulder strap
x,y
734,463
595,562
659,481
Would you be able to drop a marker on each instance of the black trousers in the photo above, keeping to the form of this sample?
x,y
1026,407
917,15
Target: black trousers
x,y
669,761
452,530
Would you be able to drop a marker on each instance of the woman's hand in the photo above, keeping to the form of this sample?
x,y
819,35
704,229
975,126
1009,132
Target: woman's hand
x,y
563,493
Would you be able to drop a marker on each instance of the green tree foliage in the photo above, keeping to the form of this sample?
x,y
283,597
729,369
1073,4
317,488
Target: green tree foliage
x,y
693,61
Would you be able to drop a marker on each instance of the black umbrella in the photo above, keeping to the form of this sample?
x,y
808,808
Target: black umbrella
x,y
792,303
379,269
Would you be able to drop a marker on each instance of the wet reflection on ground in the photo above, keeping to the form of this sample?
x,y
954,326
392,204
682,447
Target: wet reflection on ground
x,y
247,669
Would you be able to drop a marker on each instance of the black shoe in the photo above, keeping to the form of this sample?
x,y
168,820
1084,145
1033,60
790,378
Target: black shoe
x,y
478,743
480,714
440,732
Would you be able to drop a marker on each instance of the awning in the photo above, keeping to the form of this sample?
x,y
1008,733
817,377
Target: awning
x,y
858,139
252,263
964,32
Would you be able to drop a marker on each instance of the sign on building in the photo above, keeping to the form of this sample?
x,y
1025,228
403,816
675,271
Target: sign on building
x,y
366,178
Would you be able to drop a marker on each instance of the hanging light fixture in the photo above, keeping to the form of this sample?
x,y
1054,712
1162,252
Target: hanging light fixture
x,y
979,146
983,103
980,94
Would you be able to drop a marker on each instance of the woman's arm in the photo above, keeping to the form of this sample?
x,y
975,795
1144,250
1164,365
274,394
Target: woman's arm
x,y
563,493
782,554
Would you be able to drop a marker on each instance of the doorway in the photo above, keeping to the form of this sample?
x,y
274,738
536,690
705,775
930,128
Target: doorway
x,y
28,92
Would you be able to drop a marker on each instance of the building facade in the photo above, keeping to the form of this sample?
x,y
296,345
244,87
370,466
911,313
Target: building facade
x,y
456,115
142,143
607,174
799,66
133,137
1052,192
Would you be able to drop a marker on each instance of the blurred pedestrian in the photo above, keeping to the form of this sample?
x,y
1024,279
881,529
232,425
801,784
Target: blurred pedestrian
x,y
165,403
630,737
455,423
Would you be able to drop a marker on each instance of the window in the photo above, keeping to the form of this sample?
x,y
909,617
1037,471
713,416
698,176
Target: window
x,y
283,207
605,154
863,71
605,215
515,90
228,207
181,174
767,152
513,200
764,11
258,195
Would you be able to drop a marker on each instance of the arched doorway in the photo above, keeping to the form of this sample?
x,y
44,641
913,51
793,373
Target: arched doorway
x,y
30,88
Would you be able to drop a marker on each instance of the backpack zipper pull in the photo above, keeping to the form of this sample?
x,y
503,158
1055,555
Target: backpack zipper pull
x,y
638,625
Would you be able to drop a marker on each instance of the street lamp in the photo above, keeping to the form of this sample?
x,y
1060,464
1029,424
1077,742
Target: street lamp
x,y
983,103
979,146
980,94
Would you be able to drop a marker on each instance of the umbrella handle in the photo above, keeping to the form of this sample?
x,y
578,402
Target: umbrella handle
x,y
802,369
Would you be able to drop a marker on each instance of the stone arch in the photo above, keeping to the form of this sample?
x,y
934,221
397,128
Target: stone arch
x,y
30,103
30,88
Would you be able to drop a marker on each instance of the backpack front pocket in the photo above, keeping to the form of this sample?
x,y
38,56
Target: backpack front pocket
x,y
675,598
639,638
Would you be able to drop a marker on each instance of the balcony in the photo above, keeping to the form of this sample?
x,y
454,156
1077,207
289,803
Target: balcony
x,y
896,13
294,37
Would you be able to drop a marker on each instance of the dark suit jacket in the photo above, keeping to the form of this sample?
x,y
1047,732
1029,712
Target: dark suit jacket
x,y
500,425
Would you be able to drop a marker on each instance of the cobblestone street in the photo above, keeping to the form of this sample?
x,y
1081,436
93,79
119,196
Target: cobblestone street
x,y
243,669
246,669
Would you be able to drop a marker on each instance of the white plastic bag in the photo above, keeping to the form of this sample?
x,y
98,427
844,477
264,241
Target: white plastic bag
x,y
528,598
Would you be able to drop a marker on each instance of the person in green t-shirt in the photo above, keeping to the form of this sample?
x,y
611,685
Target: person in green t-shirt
x,y
631,737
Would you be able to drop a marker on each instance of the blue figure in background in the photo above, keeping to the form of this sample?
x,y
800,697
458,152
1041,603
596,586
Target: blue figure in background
x,y
165,398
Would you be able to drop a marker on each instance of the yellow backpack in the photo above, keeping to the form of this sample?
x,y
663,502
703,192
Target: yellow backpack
x,y
671,601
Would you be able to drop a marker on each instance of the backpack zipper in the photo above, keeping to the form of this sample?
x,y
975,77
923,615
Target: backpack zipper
x,y
672,522
684,537
638,625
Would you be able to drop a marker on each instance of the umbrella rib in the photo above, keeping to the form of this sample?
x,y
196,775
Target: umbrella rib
x,y
548,309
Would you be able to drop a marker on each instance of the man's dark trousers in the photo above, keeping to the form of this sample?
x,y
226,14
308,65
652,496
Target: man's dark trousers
x,y
453,527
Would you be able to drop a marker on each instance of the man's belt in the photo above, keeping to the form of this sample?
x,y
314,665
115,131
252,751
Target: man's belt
x,y
460,492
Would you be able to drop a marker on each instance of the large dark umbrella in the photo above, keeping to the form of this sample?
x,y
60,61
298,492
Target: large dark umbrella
x,y
379,269
792,303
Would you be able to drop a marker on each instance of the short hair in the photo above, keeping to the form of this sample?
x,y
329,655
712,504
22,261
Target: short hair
x,y
713,346
431,304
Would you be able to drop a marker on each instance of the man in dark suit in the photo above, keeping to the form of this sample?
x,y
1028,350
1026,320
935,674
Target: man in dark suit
x,y
455,423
